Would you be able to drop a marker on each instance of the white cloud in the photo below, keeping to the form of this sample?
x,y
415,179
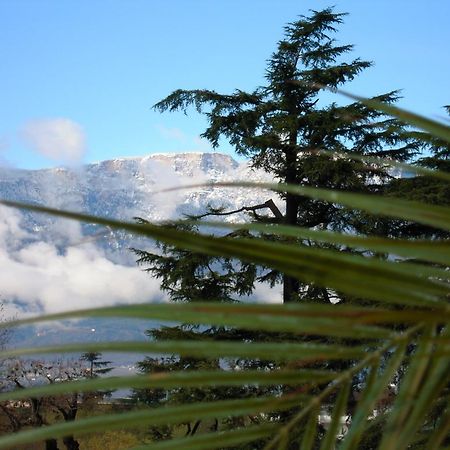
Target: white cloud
x,y
59,139
264,293
11,234
46,280
163,175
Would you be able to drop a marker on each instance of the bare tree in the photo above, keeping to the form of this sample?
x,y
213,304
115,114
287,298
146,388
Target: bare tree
x,y
35,410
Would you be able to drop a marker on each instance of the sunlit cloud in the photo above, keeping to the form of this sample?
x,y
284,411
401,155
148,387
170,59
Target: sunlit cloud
x,y
58,139
45,279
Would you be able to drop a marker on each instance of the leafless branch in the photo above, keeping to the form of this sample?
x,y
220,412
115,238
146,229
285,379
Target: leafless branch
x,y
268,204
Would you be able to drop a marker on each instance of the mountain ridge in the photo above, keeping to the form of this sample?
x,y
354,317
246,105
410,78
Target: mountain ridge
x,y
96,187
53,264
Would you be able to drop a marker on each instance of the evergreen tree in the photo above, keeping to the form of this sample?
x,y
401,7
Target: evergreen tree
x,y
96,365
422,188
282,126
286,129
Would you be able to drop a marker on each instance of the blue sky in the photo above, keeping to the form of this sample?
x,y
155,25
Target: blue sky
x,y
78,78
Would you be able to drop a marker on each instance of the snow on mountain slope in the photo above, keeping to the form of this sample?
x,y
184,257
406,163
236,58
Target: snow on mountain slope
x,y
123,188
53,264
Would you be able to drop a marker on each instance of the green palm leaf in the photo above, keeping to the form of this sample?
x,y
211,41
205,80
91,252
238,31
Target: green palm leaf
x,y
175,414
409,333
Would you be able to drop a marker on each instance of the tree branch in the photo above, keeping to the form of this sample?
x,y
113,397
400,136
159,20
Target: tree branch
x,y
268,204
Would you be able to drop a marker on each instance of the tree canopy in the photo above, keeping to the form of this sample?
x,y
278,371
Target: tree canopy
x,y
288,128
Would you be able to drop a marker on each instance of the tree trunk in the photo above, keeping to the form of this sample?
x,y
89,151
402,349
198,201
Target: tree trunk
x,y
291,284
71,443
69,416
51,444
195,428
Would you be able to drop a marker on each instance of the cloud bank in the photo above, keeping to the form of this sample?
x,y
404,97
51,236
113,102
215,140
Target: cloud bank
x,y
45,279
58,139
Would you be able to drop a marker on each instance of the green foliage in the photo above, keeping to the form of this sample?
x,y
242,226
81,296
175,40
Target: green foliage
x,y
285,128
96,365
429,386
113,440
341,360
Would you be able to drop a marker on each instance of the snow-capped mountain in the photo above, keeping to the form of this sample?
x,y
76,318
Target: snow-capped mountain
x,y
50,264
53,264
128,187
